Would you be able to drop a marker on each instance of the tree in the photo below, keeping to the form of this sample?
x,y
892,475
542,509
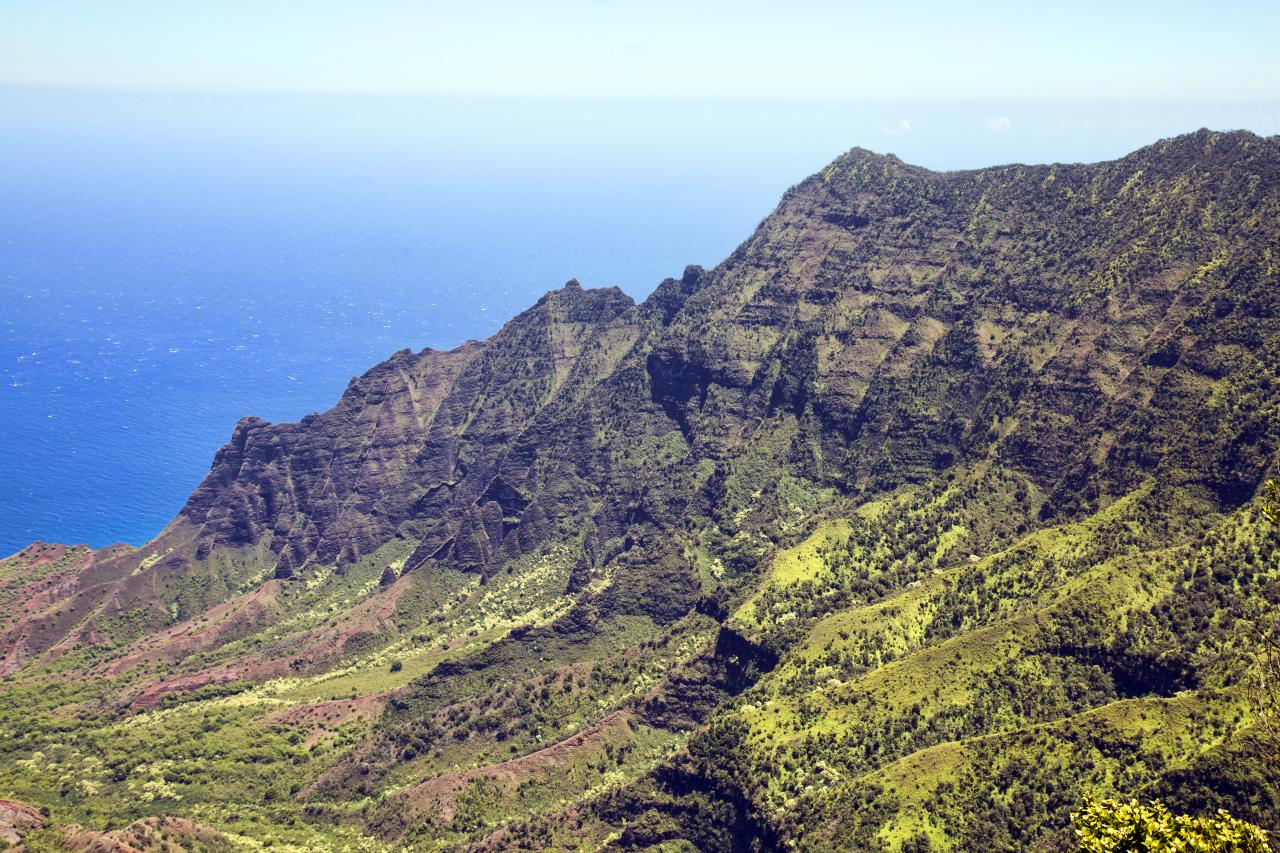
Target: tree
x,y
1112,826
1267,686
1267,695
1271,501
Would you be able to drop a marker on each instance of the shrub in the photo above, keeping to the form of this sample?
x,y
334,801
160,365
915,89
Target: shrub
x,y
1111,826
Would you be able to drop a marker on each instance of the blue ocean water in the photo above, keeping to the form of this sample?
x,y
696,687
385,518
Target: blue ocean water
x,y
169,264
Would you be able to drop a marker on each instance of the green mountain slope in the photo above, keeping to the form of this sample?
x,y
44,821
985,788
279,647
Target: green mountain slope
x,y
926,513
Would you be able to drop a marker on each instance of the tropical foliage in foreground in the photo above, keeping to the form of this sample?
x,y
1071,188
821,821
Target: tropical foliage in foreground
x,y
1111,826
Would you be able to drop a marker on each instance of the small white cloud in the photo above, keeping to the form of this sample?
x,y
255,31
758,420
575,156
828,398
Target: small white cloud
x,y
903,126
998,123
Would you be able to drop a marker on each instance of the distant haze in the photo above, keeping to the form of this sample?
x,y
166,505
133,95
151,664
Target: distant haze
x,y
1173,51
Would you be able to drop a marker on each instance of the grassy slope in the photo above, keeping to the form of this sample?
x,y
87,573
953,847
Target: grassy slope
x,y
958,681
892,642
236,754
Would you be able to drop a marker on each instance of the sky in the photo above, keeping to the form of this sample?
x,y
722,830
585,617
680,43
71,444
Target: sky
x,y
1171,51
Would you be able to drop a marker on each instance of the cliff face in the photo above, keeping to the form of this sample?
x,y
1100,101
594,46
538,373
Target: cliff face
x,y
916,416
1053,317
417,443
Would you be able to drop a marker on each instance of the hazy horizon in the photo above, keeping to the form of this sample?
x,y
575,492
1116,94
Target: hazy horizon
x,y
999,49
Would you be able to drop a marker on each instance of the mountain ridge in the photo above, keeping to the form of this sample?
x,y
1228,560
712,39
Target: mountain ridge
x,y
700,548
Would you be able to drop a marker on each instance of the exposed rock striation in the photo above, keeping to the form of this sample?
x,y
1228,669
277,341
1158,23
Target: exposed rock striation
x,y
415,445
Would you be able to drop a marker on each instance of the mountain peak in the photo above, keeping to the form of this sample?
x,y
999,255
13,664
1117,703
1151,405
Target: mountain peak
x,y
597,304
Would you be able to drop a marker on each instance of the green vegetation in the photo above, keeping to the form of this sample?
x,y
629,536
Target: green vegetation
x,y
935,516
1110,826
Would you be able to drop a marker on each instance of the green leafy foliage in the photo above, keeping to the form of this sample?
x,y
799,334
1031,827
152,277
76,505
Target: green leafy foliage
x,y
1271,503
1113,826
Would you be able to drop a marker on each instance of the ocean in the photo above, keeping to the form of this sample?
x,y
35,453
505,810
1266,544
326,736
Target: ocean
x,y
171,263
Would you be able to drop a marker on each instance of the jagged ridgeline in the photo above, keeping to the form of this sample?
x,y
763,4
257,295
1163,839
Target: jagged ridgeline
x,y
926,513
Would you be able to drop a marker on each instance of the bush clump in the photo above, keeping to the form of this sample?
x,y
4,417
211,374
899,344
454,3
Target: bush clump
x,y
1112,826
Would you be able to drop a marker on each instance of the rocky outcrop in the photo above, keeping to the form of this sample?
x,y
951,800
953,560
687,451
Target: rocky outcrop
x,y
16,820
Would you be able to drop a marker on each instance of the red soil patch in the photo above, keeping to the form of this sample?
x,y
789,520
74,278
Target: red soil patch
x,y
317,646
330,713
149,835
153,692
33,598
209,630
438,795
